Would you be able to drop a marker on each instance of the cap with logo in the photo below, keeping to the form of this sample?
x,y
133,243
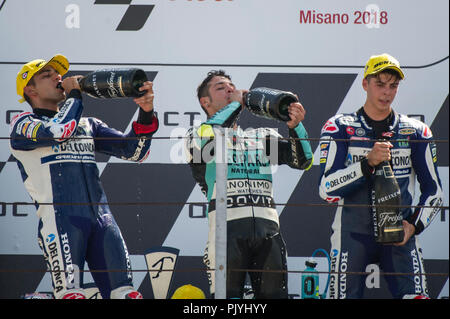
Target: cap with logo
x,y
58,62
378,63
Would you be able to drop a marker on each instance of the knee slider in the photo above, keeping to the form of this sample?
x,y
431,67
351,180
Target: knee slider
x,y
126,292
415,297
73,294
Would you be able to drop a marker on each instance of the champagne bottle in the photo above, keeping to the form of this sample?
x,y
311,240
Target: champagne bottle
x,y
270,103
386,198
113,83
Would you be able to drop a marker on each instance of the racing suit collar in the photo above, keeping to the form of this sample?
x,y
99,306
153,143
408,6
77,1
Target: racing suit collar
x,y
390,121
44,112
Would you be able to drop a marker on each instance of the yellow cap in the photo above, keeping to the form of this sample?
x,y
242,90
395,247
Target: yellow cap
x,y
188,292
58,62
378,63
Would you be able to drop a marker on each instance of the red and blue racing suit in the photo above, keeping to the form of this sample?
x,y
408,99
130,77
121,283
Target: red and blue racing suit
x,y
346,179
55,155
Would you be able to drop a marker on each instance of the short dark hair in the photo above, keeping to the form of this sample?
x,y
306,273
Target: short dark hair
x,y
202,89
391,72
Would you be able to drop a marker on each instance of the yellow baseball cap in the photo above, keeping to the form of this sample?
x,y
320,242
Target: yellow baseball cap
x,y
378,63
58,62
188,292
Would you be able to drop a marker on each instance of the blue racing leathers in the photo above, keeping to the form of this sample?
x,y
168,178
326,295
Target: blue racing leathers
x,y
55,155
346,179
253,233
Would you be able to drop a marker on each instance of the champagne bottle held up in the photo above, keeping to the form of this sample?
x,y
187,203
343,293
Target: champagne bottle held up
x,y
386,198
270,103
113,83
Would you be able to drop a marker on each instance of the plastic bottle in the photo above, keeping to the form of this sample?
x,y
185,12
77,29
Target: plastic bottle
x,y
310,280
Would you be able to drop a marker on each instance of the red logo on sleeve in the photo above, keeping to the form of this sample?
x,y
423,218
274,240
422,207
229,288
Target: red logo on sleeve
x,y
330,127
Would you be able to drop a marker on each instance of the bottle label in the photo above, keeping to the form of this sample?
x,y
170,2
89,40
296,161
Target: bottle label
x,y
389,220
387,217
388,173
